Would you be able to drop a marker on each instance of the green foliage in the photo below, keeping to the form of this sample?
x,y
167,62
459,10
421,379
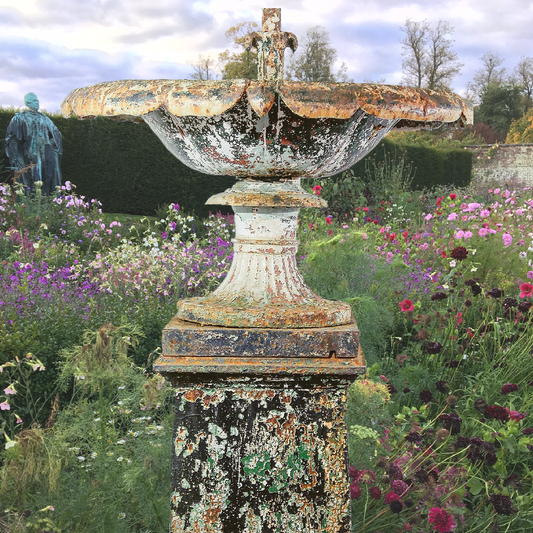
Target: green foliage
x,y
104,462
340,268
521,130
500,105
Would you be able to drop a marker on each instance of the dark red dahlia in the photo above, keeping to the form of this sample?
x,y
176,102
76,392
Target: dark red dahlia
x,y
441,386
470,282
422,475
426,396
452,364
375,493
514,481
524,307
508,303
495,293
490,459
355,491
461,442
433,347
391,388
527,431
508,388
459,253
451,422
439,296
497,412
476,289
413,437
407,390
399,487
502,504
476,441
396,507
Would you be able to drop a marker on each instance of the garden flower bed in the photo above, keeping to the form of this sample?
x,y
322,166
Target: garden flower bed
x,y
440,428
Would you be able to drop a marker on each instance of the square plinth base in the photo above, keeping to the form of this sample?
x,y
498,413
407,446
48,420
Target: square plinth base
x,y
260,441
260,455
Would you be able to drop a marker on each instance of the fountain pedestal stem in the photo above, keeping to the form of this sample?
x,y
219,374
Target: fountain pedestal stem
x,y
263,288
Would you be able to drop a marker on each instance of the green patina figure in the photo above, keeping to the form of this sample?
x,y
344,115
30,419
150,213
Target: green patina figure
x,y
33,140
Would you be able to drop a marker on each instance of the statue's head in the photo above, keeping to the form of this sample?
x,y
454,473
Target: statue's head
x,y
31,101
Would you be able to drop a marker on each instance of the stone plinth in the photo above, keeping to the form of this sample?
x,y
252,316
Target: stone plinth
x,y
260,442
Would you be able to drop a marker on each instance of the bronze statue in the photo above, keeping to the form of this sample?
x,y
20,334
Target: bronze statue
x,y
32,140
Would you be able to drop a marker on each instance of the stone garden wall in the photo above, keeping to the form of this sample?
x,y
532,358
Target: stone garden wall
x,y
503,163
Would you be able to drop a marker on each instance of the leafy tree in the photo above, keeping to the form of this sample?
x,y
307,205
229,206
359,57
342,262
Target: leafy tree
x,y
524,76
500,105
203,68
243,64
315,59
521,130
428,58
491,72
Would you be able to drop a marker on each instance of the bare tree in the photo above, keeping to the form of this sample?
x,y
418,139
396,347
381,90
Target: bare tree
x,y
315,59
524,76
428,58
204,68
442,64
491,72
414,52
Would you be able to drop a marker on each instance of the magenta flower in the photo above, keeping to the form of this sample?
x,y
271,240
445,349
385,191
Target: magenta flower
x,y
391,497
407,305
355,491
375,493
317,189
526,290
507,239
328,220
508,388
515,415
530,274
483,232
441,520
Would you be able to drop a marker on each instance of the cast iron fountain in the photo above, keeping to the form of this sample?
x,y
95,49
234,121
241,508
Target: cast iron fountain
x,y
261,365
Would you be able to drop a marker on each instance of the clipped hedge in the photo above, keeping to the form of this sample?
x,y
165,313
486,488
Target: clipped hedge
x,y
127,168
433,166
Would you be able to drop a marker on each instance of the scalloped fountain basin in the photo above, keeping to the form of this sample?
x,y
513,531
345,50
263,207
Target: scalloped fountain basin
x,y
268,133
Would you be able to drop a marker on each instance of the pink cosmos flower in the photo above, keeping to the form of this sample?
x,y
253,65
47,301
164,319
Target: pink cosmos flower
x,y
530,274
460,234
507,239
483,232
452,216
407,305
526,290
441,520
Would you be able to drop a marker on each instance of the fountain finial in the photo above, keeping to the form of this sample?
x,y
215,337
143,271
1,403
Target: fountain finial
x,y
270,45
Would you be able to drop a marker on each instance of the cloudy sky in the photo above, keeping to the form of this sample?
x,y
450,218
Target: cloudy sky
x,y
53,46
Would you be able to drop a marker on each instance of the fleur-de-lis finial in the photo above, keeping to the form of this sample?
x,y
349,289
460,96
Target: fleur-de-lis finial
x,y
270,45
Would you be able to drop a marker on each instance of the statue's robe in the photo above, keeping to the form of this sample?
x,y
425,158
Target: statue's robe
x,y
32,138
